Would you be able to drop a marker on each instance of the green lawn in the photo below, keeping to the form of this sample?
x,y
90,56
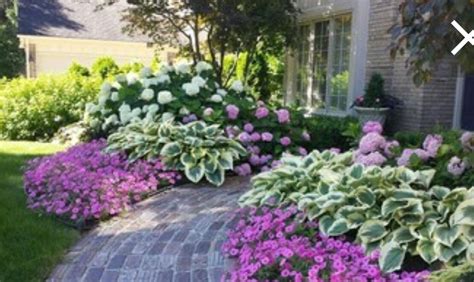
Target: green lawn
x,y
30,244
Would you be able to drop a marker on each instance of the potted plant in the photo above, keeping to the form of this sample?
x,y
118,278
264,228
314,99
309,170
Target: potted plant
x,y
375,104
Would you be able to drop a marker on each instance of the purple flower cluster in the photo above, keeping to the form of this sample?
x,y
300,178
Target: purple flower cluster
x,y
373,147
430,149
84,183
275,244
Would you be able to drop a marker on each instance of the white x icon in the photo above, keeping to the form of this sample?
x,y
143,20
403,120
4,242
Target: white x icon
x,y
468,37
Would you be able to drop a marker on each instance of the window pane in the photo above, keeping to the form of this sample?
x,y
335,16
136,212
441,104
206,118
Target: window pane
x,y
302,74
320,64
339,88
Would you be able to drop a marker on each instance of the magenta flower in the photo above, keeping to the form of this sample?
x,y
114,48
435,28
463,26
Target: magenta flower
x,y
283,116
372,126
232,111
371,142
267,137
262,112
285,141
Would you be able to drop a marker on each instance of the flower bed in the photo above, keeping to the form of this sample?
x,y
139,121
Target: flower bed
x,y
84,184
276,244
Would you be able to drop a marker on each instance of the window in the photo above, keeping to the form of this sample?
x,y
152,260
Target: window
x,y
323,58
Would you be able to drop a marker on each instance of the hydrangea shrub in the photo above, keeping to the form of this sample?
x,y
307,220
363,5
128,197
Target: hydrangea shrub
x,y
84,184
277,244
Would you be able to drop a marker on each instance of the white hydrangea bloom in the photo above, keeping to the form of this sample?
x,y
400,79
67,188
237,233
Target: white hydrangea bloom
x,y
153,108
237,86
136,112
125,108
146,72
116,85
113,119
165,68
92,108
146,82
94,123
105,88
132,78
165,97
125,117
163,78
167,116
135,120
191,89
145,109
216,98
105,111
208,112
203,66
183,67
199,81
121,78
147,94
115,96
184,111
103,99
221,92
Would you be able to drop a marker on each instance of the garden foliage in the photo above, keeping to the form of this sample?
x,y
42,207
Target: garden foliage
x,y
392,208
84,184
36,109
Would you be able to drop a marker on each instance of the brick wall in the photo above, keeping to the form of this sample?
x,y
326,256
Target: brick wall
x,y
424,107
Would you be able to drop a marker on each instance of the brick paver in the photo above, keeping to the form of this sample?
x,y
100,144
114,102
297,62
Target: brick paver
x,y
174,236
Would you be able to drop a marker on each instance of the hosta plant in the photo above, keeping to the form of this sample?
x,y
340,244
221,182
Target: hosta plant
x,y
393,209
198,149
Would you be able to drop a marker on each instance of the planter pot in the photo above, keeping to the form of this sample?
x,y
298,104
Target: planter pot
x,y
371,114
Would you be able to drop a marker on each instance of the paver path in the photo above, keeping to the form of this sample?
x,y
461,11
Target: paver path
x,y
174,236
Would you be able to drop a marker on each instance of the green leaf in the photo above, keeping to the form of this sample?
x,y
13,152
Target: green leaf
x,y
403,235
365,196
338,227
216,178
187,159
194,173
371,231
464,214
447,253
470,253
210,164
325,223
391,205
425,249
424,177
446,235
407,176
356,171
171,149
391,257
439,191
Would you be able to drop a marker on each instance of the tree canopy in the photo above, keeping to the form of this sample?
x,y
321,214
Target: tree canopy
x,y
11,56
425,33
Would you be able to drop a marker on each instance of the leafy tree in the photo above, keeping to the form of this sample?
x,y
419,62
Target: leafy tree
x,y
211,29
104,67
11,56
426,34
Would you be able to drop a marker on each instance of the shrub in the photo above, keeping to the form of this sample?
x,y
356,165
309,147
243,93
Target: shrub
x,y
84,184
195,148
394,209
35,109
104,67
276,244
76,69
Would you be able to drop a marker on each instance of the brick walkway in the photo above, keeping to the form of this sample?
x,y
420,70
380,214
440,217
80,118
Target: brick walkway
x,y
174,236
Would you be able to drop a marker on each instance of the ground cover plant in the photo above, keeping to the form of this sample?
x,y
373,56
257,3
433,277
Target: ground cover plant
x,y
30,245
84,184
277,244
392,208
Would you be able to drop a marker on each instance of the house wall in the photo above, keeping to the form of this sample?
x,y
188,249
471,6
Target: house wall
x,y
55,55
424,107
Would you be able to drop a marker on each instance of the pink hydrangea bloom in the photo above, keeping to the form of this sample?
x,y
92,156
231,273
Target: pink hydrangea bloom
x,y
374,158
302,151
243,169
371,142
305,135
283,116
432,144
267,137
456,166
208,112
248,127
404,159
262,112
285,141
389,147
255,137
244,137
467,141
372,126
254,160
232,111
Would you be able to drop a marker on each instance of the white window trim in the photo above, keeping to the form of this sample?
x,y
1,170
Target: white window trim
x,y
358,60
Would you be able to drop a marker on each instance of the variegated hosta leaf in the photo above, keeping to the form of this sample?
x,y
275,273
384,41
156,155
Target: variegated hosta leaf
x,y
464,214
424,177
216,177
391,205
226,161
365,196
338,227
468,232
425,249
402,235
194,173
406,175
391,257
445,253
210,165
171,149
187,159
372,230
439,191
470,253
446,235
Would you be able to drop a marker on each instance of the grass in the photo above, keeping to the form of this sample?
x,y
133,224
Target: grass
x,y
30,244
